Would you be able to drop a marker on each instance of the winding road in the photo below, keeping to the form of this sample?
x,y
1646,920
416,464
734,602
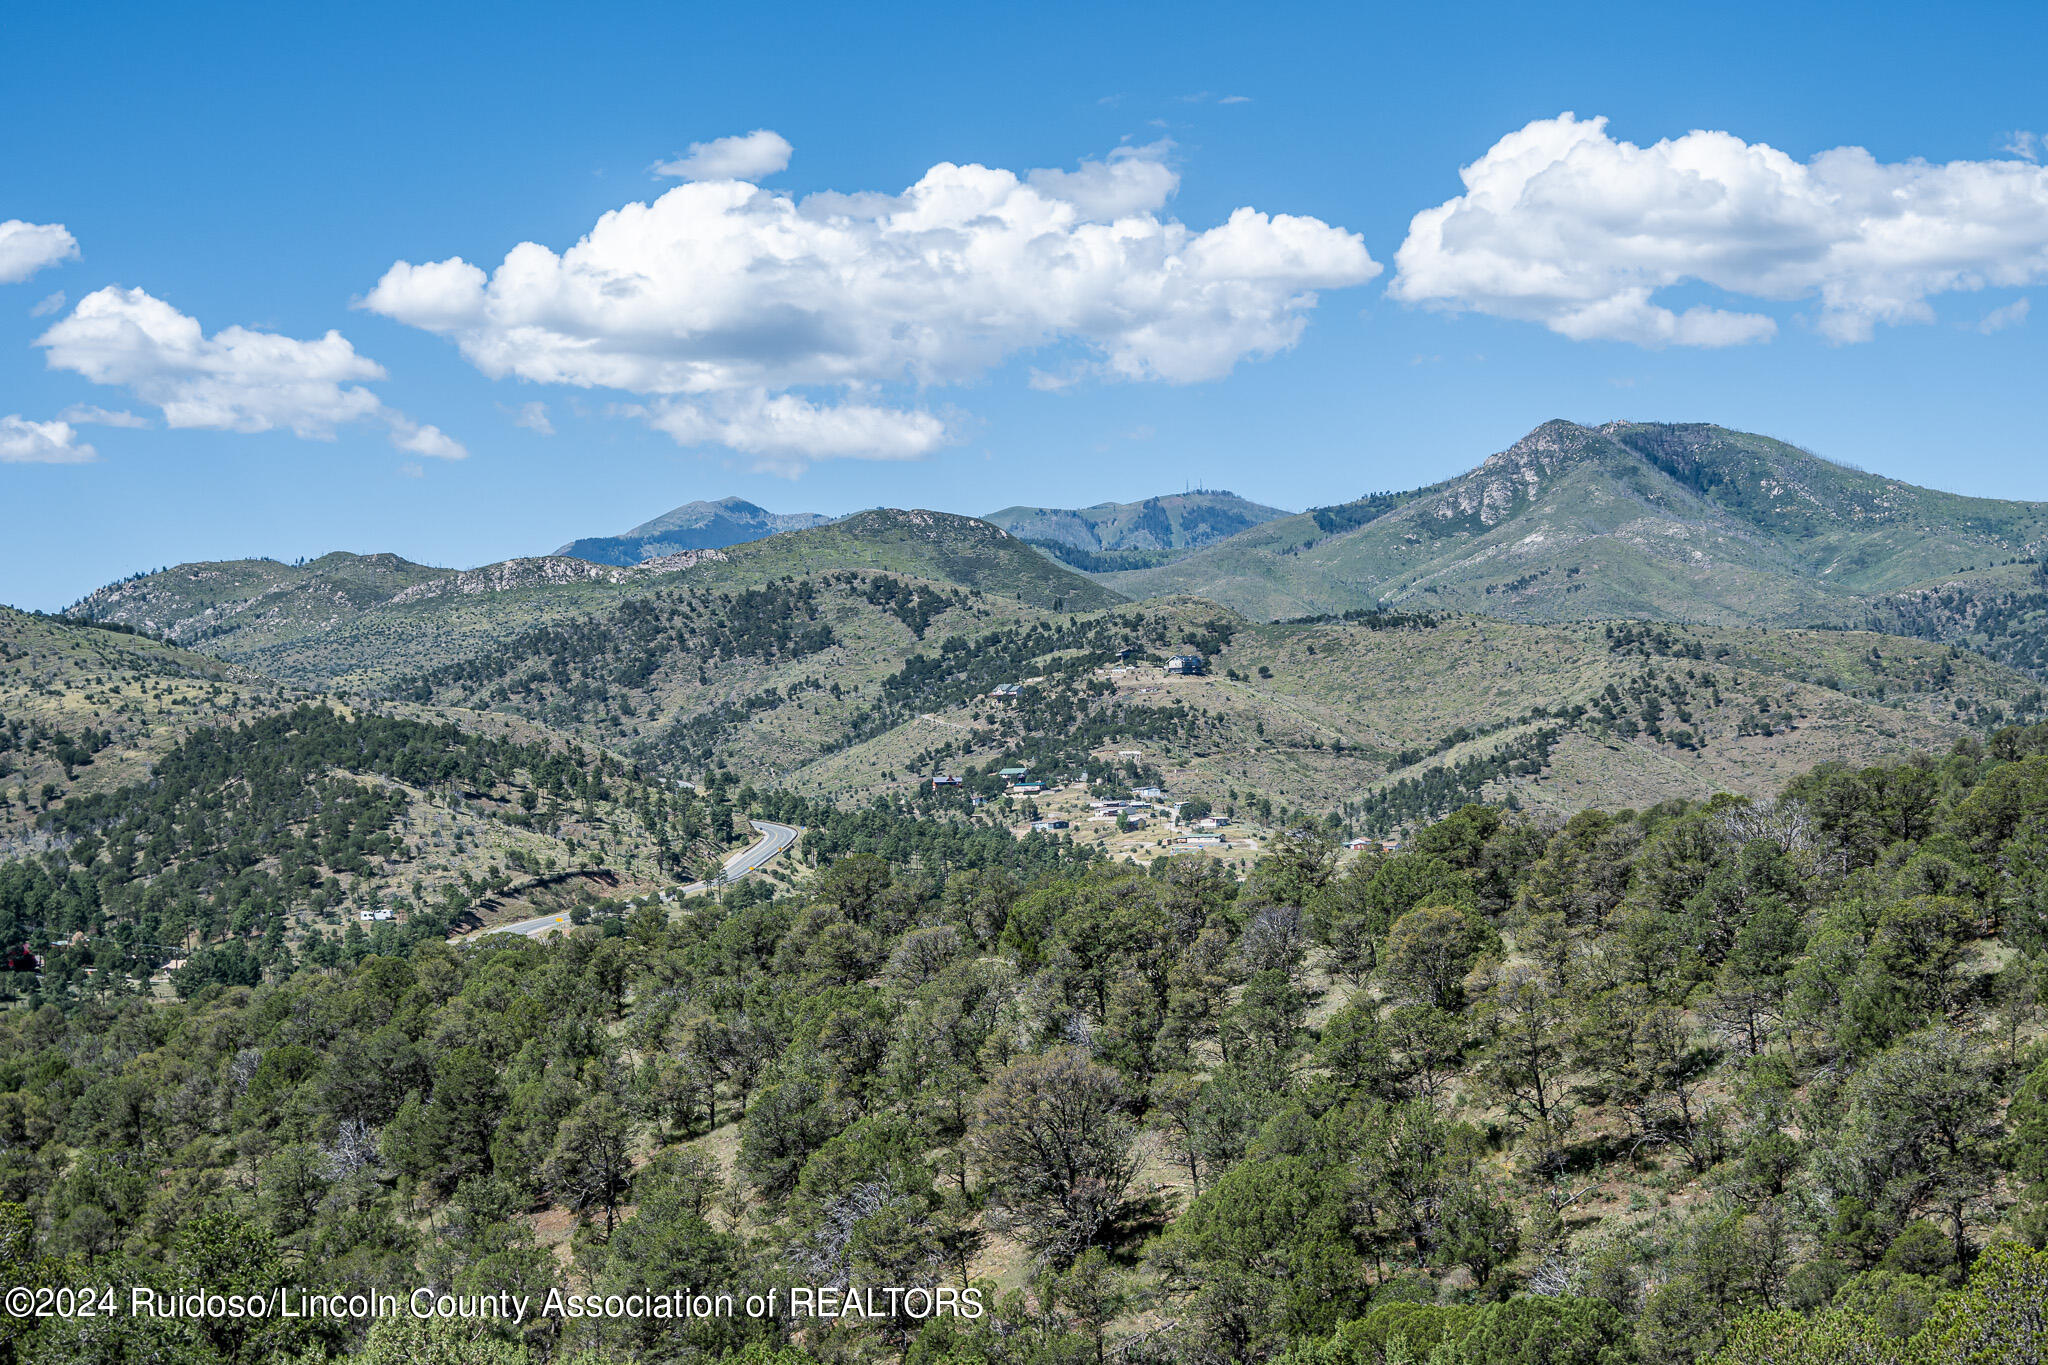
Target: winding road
x,y
774,839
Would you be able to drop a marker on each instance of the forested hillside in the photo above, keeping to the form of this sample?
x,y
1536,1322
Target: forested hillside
x,y
366,620
857,682
258,844
1377,720
1729,1077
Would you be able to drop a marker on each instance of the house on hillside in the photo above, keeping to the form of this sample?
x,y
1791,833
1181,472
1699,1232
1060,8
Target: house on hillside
x,y
944,781
1014,772
1150,793
1007,691
1187,665
1047,825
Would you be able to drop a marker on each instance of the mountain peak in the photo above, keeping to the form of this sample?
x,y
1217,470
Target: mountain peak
x,y
1553,446
693,526
1627,519
1507,482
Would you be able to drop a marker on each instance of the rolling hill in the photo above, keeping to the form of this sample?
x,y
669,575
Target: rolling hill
x,y
366,620
209,776
845,659
693,526
1111,535
1633,520
1394,717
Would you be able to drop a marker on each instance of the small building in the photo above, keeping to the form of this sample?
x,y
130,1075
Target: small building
x,y
1048,824
1204,841
1212,822
384,915
1360,845
1123,656
1014,772
1187,665
944,781
366,915
1026,788
1150,793
1007,691
1130,753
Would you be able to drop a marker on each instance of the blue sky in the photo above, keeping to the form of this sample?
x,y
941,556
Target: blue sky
x,y
263,168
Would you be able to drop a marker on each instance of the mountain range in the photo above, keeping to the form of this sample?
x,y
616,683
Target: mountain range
x,y
1597,615
1625,520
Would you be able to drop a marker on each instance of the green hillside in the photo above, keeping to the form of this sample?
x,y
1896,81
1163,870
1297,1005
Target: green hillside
x,y
1378,722
160,757
1112,536
1707,1083
932,545
87,709
369,620
244,602
1627,520
686,672
847,683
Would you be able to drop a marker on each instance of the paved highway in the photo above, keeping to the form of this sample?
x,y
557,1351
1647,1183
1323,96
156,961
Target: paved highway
x,y
774,839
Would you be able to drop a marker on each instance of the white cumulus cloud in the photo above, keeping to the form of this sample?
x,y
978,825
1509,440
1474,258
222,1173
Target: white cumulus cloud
x,y
723,297
26,248
784,431
1130,180
26,442
750,156
237,379
1564,225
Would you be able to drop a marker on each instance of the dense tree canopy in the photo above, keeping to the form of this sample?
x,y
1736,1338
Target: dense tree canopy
x,y
1748,1082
